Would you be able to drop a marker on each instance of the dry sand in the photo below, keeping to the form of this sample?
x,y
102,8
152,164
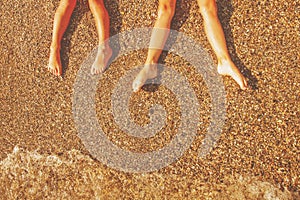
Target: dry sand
x,y
257,156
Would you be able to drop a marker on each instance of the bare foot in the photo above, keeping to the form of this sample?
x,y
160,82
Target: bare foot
x,y
149,71
228,68
103,56
54,65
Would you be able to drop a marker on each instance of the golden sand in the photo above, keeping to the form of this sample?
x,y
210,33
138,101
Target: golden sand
x,y
256,157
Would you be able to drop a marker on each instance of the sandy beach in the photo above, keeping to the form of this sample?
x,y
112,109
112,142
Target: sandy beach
x,y
256,157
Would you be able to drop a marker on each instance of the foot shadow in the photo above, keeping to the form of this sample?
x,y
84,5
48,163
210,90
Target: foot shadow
x,y
225,11
181,15
115,16
152,85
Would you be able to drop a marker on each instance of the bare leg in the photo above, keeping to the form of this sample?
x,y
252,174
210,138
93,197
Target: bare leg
x,y
166,10
102,24
61,21
215,35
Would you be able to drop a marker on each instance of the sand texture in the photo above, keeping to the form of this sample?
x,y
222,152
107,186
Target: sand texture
x,y
256,157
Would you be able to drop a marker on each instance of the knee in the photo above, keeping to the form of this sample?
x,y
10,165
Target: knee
x,y
208,7
166,8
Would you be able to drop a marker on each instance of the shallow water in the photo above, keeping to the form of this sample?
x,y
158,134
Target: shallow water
x,y
26,175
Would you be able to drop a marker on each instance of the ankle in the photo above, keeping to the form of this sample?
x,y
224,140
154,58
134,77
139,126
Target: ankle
x,y
104,48
104,44
151,66
151,62
54,48
224,60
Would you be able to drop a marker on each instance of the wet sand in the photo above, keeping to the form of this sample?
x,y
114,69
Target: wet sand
x,y
256,157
